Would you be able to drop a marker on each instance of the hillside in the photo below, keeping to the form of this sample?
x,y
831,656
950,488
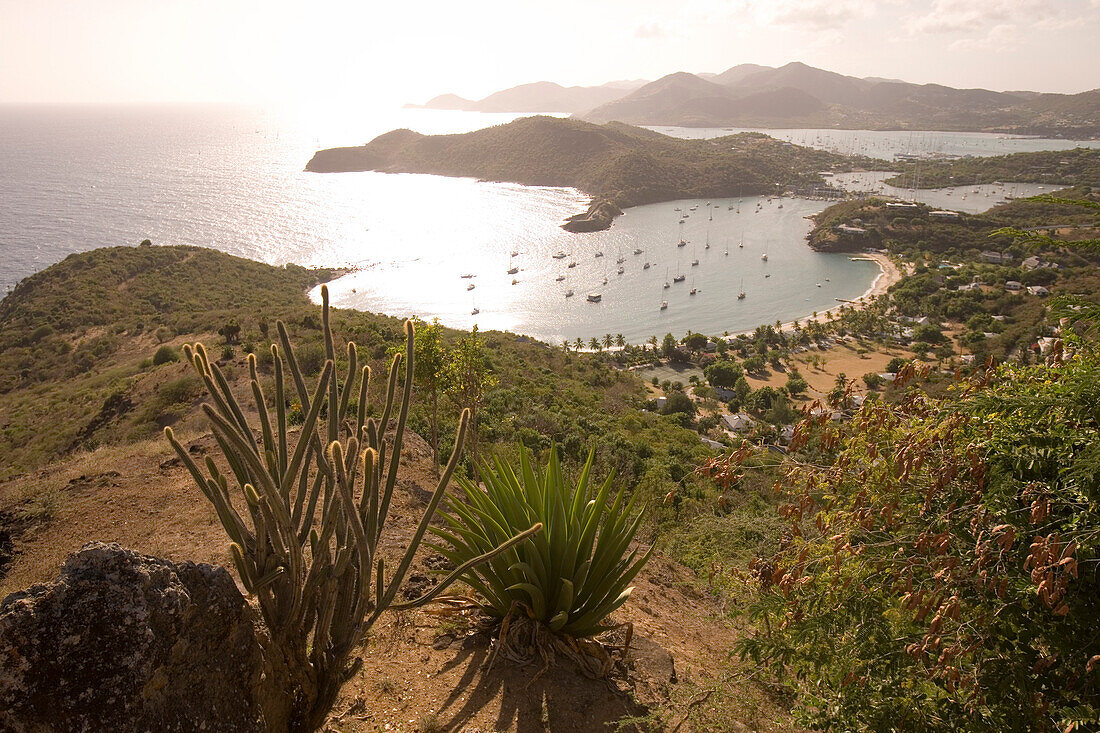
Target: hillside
x,y
626,165
802,95
84,460
1077,167
797,95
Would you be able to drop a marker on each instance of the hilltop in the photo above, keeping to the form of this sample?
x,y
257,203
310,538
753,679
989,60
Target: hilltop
x,y
86,393
798,95
627,166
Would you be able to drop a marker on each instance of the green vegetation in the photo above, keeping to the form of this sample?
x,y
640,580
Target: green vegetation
x,y
628,165
532,394
953,280
312,573
935,572
573,574
1077,167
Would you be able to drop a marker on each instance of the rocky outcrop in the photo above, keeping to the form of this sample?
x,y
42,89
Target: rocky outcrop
x,y
599,216
127,642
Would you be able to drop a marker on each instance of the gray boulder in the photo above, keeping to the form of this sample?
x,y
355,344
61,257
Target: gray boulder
x,y
128,642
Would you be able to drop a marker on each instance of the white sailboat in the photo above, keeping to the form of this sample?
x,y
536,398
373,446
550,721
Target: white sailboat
x,y
741,295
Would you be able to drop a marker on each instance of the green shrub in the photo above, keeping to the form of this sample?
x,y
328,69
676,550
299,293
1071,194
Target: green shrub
x,y
311,357
180,390
571,575
164,355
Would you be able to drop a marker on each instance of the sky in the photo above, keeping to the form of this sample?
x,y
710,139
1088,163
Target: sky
x,y
139,51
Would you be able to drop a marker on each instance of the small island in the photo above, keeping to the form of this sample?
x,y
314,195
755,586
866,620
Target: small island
x,y
617,164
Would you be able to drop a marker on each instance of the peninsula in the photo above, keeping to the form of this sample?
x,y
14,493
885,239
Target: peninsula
x,y
617,164
1077,167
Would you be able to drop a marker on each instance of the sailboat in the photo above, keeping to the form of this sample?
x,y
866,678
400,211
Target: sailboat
x,y
682,242
693,290
667,283
708,240
741,295
694,258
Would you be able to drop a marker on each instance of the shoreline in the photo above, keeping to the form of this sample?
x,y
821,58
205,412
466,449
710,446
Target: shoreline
x,y
889,274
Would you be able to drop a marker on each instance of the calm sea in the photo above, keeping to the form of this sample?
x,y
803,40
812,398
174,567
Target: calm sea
x,y
77,178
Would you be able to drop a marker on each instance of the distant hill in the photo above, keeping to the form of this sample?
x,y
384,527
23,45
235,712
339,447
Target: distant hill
x,y
542,96
798,95
624,165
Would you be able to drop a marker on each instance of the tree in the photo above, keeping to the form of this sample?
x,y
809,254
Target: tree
x,y
468,377
678,402
796,385
742,389
579,343
929,333
608,340
755,364
723,373
896,364
653,343
873,380
620,340
696,341
594,344
668,346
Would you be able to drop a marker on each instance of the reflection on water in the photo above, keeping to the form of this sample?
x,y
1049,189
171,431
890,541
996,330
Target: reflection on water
x,y
77,178
793,282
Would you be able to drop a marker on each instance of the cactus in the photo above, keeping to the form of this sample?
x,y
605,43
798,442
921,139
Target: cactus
x,y
305,531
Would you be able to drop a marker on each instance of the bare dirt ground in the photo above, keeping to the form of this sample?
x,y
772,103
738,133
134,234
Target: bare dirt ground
x,y
423,671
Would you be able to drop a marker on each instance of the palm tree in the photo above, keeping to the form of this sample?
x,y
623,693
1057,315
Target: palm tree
x,y
607,341
653,342
579,343
594,344
620,340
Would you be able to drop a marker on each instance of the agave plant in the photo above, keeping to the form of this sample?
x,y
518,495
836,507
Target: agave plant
x,y
574,573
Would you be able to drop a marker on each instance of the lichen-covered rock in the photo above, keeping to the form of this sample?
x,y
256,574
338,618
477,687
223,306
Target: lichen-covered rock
x,y
128,642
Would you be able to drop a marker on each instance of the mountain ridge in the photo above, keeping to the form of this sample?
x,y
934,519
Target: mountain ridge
x,y
799,95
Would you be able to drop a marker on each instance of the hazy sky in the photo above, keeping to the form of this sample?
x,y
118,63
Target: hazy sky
x,y
239,50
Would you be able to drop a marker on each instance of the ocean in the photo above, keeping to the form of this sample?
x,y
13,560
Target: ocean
x,y
77,178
